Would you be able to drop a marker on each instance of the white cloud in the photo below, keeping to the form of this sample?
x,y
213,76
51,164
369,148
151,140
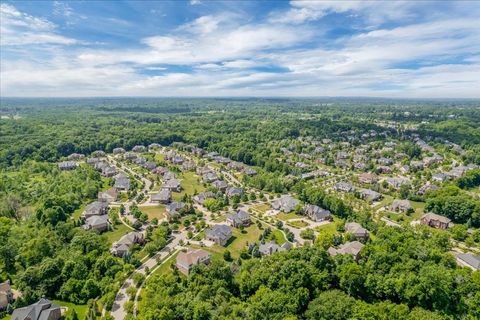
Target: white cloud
x,y
195,2
17,28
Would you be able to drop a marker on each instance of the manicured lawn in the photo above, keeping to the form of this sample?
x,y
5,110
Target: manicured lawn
x,y
252,233
117,233
386,201
159,157
288,216
154,211
190,183
81,309
261,207
165,268
77,213
298,223
330,228
277,236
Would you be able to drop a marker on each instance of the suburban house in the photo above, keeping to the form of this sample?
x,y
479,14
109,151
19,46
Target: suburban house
x,y
174,208
172,185
6,295
468,260
108,196
201,197
164,196
99,223
122,182
139,148
269,248
188,166
316,213
359,232
397,182
234,191
123,246
92,161
367,178
109,171
235,165
98,154
130,156
435,221
400,206
67,165
76,156
219,233
118,151
177,160
41,310
210,176
187,260
239,218
169,175
344,187
353,248
149,165
370,195
220,185
285,203
153,146
96,208
427,187
439,177
249,171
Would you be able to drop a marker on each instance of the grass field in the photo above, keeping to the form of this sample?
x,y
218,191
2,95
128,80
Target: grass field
x,y
190,183
80,309
165,268
277,236
288,216
298,223
154,211
330,228
77,213
261,207
117,233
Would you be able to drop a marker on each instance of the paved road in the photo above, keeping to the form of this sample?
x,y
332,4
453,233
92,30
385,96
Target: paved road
x,y
118,312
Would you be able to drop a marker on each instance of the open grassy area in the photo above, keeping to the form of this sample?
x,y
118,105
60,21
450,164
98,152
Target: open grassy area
x,y
385,201
298,223
277,236
154,211
117,233
80,309
330,228
77,213
263,207
166,267
288,216
190,183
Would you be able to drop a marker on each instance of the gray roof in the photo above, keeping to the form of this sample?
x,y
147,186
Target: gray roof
x,y
470,259
316,213
240,217
163,195
95,208
175,206
41,310
285,203
220,231
234,191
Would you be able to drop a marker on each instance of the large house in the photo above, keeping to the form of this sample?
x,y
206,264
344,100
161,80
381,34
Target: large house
x,y
201,197
397,182
6,295
67,165
164,196
359,232
239,218
316,213
352,248
367,178
172,185
96,208
269,248
220,185
435,221
344,187
210,176
285,203
139,148
123,246
118,151
122,182
219,233
187,260
99,223
234,192
108,196
468,260
41,310
174,208
370,195
400,206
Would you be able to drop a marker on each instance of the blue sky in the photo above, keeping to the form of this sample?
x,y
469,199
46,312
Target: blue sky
x,y
240,48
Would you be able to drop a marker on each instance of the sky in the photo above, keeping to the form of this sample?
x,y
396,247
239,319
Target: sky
x,y
407,49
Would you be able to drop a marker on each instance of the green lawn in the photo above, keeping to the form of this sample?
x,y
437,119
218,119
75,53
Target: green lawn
x,y
77,213
277,236
288,216
261,207
117,233
165,268
154,211
330,228
386,201
81,309
190,183
298,223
